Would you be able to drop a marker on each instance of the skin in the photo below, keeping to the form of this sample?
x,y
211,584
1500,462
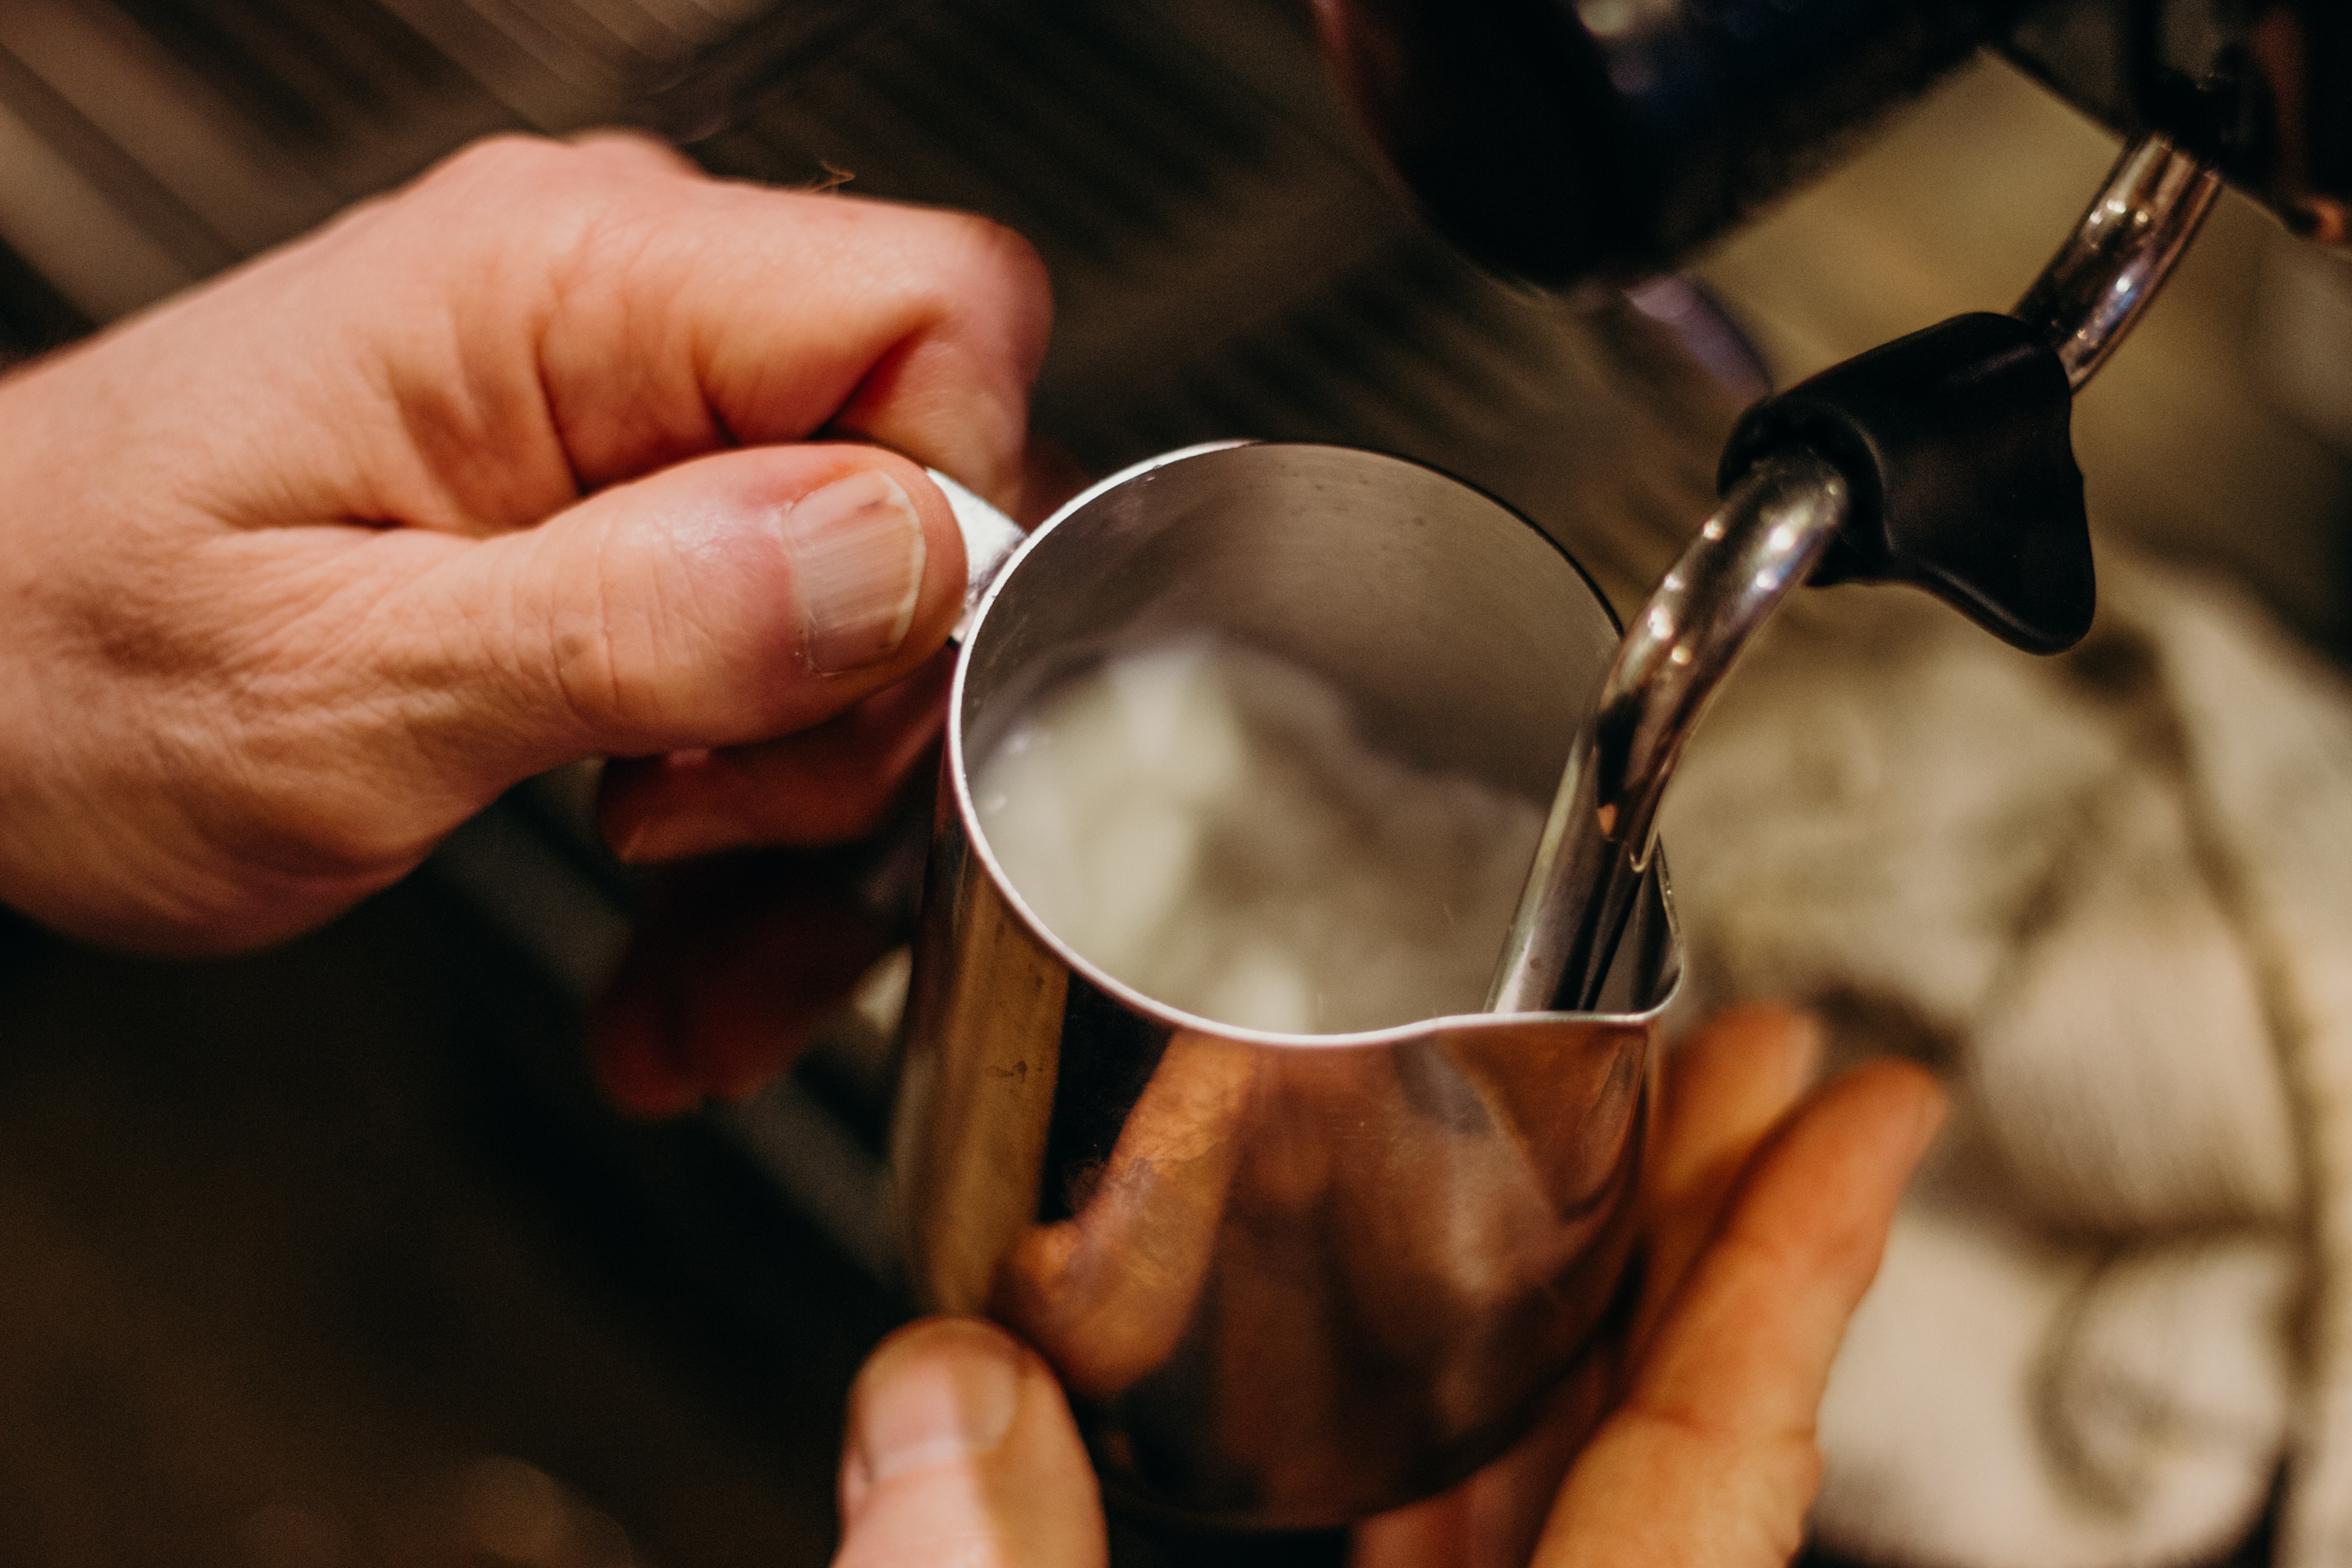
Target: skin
x,y
303,568
306,566
1689,1445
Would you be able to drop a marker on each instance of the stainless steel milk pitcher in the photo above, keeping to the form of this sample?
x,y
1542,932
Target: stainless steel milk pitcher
x,y
1287,1279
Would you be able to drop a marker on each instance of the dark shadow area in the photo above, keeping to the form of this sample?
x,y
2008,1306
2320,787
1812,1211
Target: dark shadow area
x,y
300,1253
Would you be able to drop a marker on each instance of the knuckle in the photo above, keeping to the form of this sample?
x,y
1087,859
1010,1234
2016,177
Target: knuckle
x,y
629,649
555,194
985,255
593,682
626,150
1008,253
935,264
506,157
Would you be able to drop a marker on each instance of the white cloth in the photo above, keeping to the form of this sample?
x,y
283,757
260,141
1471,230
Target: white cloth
x,y
2109,896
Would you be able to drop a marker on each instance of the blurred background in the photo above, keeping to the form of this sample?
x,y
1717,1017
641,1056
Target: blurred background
x,y
331,1256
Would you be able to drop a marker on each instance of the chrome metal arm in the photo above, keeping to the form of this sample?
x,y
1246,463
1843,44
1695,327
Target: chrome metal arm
x,y
1763,543
1771,529
2122,250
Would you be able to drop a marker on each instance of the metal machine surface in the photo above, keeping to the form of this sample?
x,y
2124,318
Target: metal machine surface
x,y
1562,139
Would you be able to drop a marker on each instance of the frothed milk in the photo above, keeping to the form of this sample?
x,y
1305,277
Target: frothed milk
x,y
1204,822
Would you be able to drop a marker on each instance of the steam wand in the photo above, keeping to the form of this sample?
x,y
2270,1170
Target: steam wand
x,y
1943,459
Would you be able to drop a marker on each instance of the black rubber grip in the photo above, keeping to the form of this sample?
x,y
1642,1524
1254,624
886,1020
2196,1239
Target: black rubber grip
x,y
1958,443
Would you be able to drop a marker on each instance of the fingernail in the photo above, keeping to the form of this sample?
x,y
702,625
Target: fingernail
x,y
857,548
936,1393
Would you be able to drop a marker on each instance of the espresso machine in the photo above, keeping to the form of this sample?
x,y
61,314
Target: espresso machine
x,y
1561,143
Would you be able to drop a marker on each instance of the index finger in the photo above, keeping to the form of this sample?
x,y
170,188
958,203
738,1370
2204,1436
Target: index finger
x,y
774,314
533,319
1726,1087
1710,1461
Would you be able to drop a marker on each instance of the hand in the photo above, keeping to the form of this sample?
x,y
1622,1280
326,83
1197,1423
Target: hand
x,y
303,568
738,960
1690,1444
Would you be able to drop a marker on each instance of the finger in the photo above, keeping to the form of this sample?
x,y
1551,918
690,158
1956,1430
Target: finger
x,y
735,963
666,313
1726,1088
730,600
532,320
1710,1462
824,786
962,1451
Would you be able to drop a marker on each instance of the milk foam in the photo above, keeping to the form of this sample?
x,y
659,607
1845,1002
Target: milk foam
x,y
1203,821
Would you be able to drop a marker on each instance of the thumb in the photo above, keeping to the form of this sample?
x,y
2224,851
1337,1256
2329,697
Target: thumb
x,y
734,598
961,1449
